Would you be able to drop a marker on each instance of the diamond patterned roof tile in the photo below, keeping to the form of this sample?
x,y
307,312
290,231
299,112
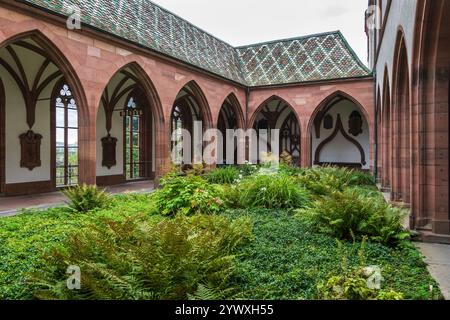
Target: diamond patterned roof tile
x,y
311,58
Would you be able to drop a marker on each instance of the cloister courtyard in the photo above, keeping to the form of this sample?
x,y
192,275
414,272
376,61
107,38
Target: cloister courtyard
x,y
154,161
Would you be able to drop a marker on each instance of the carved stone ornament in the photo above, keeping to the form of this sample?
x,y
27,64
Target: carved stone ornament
x,y
355,124
109,151
30,146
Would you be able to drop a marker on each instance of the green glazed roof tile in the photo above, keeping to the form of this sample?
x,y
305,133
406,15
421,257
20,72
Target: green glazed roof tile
x,y
312,58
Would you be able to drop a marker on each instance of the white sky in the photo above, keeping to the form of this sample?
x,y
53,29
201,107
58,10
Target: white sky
x,y
242,22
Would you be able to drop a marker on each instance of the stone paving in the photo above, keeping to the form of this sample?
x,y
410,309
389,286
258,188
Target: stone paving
x,y
10,206
437,256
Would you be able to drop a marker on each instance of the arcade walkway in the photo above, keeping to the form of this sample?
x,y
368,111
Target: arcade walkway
x,y
10,206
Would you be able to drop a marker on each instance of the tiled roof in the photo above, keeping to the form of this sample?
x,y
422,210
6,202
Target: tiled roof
x,y
312,58
318,57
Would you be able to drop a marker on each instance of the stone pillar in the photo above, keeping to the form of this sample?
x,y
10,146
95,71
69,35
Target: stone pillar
x,y
87,151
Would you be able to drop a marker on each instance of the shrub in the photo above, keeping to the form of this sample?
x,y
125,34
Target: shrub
x,y
188,195
272,191
325,180
352,214
225,175
132,259
85,198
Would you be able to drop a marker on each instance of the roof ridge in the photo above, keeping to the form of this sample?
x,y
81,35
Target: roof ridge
x,y
315,35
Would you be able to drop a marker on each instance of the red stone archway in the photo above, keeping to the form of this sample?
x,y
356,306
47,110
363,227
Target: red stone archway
x,y
386,135
86,122
401,124
137,74
275,119
327,104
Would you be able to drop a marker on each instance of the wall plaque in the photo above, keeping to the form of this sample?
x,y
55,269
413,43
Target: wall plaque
x,y
30,146
109,151
355,123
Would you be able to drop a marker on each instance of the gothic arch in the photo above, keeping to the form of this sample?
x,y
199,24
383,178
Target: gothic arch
x,y
60,60
39,44
237,109
315,124
401,128
386,136
200,98
142,78
325,102
283,117
251,122
130,81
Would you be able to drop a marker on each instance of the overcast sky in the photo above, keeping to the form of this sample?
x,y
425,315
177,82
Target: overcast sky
x,y
242,22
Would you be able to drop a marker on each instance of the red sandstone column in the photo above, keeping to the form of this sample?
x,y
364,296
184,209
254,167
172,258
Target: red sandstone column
x,y
87,147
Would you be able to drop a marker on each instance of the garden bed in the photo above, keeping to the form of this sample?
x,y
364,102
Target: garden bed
x,y
230,234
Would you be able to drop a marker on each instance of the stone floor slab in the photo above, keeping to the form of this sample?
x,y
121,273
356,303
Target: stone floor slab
x,y
437,256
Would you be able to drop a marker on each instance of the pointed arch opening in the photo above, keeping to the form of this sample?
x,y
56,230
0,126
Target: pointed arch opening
x,y
32,69
128,124
386,134
401,127
276,113
190,115
230,118
340,133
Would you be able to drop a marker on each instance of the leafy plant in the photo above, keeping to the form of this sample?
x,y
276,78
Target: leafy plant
x,y
188,195
353,214
272,191
352,283
134,259
225,175
247,169
85,198
360,178
324,180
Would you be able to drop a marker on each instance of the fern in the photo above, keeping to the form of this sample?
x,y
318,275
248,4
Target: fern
x,y
85,198
135,260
